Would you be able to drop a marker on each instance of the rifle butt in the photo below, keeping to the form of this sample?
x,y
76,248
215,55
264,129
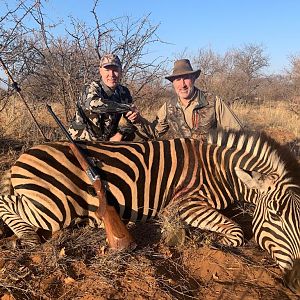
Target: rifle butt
x,y
117,233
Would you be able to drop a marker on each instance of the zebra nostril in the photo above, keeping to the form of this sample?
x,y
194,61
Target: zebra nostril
x,y
292,277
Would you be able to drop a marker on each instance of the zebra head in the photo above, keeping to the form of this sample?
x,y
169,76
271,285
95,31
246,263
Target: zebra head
x,y
274,188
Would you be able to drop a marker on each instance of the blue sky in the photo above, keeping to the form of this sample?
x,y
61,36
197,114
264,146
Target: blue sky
x,y
195,24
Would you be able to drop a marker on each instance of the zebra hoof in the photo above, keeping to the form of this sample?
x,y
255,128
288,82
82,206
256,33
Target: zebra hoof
x,y
174,237
9,242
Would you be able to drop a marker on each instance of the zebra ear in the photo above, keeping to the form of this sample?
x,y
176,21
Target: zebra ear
x,y
253,179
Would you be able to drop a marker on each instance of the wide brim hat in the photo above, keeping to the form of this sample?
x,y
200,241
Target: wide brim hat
x,y
182,67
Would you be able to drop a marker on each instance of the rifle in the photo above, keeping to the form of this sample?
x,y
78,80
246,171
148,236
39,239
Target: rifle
x,y
113,107
117,234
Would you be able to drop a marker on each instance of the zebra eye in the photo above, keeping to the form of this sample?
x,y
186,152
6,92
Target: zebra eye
x,y
275,217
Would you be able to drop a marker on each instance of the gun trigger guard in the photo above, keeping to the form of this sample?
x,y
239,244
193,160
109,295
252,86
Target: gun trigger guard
x,y
92,176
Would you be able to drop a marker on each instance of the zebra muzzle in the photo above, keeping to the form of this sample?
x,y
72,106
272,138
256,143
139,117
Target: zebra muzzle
x,y
292,278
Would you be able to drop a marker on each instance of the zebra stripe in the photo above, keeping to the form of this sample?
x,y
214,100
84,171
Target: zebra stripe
x,y
51,191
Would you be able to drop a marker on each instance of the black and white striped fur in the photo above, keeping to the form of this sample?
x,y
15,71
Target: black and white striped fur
x,y
51,191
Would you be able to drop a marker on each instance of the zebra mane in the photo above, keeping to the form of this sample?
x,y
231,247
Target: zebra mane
x,y
242,140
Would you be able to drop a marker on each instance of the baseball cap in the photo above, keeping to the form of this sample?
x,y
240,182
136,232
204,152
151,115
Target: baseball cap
x,y
110,60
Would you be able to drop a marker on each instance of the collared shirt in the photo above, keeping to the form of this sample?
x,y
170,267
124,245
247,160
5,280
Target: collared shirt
x,y
188,110
203,113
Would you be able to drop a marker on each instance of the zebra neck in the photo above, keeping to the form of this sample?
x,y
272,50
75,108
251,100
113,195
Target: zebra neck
x,y
219,175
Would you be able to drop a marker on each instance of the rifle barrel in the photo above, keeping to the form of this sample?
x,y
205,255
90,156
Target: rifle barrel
x,y
89,168
60,124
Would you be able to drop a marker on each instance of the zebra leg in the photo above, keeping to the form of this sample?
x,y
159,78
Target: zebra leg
x,y
5,184
203,216
24,231
5,189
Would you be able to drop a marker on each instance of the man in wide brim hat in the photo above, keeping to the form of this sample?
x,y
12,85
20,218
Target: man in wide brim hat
x,y
183,67
192,112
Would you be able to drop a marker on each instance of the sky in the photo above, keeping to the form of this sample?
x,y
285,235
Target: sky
x,y
195,24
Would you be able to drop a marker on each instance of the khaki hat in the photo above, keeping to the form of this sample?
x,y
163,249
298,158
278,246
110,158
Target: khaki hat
x,y
182,67
110,60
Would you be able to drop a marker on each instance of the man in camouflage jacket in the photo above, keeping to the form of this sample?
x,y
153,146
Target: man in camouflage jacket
x,y
95,117
193,112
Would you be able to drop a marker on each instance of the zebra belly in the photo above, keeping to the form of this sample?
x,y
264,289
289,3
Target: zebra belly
x,y
57,202
139,182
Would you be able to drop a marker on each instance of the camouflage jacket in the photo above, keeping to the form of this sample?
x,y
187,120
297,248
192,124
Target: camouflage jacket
x,y
89,123
203,113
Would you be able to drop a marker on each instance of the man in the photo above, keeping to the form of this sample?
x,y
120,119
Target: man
x,y
193,112
92,121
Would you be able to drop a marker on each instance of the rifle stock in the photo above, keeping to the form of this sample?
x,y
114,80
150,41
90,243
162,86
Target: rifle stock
x,y
117,234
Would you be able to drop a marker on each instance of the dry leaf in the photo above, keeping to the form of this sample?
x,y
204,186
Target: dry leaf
x,y
8,297
62,252
69,280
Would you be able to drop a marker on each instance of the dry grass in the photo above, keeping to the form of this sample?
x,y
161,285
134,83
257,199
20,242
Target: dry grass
x,y
277,119
271,115
75,264
17,123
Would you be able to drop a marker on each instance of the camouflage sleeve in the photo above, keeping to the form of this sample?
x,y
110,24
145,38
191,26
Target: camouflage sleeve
x,y
91,98
155,129
126,128
226,118
95,102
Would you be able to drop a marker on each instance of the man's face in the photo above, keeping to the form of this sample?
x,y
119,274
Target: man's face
x,y
111,75
184,86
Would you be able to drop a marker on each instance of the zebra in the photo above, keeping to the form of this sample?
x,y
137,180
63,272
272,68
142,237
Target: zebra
x,y
202,178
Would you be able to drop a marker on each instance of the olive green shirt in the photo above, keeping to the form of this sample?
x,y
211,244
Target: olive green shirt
x,y
203,113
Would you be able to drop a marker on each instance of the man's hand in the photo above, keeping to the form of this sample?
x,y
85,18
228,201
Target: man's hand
x,y
117,137
133,116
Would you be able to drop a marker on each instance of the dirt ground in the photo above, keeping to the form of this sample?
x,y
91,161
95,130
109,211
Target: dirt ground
x,y
76,264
